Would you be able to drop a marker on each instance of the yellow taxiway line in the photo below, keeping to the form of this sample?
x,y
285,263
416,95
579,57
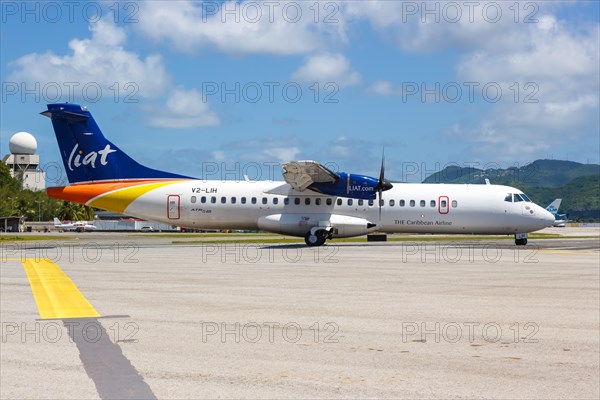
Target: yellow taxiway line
x,y
55,293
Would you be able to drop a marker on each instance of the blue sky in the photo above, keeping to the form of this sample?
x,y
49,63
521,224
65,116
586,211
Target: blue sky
x,y
389,74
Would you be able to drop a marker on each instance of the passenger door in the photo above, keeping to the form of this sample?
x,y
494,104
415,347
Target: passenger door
x,y
173,206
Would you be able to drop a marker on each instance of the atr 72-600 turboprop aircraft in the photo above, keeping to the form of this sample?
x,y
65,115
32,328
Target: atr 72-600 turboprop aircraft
x,y
313,202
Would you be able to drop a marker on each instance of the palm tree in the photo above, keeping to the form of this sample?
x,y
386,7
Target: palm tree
x,y
75,212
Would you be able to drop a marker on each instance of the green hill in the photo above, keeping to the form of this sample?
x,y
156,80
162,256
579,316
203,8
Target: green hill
x,y
543,181
580,197
540,173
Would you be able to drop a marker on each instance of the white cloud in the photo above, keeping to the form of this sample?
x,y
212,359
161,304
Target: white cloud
x,y
559,63
343,146
562,67
281,28
184,110
100,60
547,50
382,88
282,154
219,155
327,68
430,26
266,149
381,14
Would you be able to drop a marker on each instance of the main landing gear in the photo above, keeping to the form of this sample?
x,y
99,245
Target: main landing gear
x,y
317,236
520,239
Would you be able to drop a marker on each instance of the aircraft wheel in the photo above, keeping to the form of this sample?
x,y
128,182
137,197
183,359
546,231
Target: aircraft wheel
x,y
520,242
318,239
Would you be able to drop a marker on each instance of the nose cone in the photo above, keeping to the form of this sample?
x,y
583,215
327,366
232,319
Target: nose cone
x,y
548,218
545,217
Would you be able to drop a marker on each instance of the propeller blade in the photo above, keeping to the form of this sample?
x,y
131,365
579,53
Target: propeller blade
x,y
382,170
380,192
381,182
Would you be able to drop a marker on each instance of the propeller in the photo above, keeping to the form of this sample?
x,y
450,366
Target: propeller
x,y
382,184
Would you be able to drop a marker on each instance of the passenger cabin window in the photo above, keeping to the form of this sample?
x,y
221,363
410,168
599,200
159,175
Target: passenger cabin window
x,y
203,199
432,203
253,200
286,200
307,201
371,203
392,202
297,201
339,202
412,203
243,200
223,200
361,202
443,204
264,200
508,197
402,203
318,201
454,204
422,203
275,200
233,200
329,202
349,202
193,199
213,199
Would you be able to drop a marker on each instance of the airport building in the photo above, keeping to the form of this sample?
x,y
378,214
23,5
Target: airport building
x,y
110,221
23,163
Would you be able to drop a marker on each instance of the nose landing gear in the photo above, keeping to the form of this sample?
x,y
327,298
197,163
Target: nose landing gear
x,y
520,239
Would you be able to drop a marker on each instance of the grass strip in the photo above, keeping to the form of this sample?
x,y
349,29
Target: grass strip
x,y
34,238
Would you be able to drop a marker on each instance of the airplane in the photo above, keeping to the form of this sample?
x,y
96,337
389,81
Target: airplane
x,y
560,219
79,226
313,202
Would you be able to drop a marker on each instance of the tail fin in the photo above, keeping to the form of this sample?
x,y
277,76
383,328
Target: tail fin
x,y
554,206
87,155
57,222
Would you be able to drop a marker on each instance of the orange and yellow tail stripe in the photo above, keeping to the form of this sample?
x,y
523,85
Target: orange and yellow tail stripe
x,y
113,196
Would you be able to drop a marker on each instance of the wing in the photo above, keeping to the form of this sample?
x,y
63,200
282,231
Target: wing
x,y
302,174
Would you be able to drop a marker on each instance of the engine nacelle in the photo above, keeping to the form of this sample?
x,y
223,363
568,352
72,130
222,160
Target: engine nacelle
x,y
301,224
351,185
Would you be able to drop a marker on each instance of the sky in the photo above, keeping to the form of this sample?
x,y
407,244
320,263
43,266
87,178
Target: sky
x,y
219,90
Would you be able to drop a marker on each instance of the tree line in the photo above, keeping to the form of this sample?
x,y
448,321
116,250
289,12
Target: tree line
x,y
35,205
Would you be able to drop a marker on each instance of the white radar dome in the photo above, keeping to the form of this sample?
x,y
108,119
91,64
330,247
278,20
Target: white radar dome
x,y
22,143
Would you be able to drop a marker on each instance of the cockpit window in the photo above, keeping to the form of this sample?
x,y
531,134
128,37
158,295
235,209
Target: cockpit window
x,y
525,197
518,198
508,197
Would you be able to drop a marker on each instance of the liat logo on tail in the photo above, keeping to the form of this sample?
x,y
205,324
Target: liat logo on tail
x,y
75,158
87,155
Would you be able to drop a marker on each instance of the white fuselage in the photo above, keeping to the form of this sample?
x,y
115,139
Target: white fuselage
x,y
276,207
75,226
